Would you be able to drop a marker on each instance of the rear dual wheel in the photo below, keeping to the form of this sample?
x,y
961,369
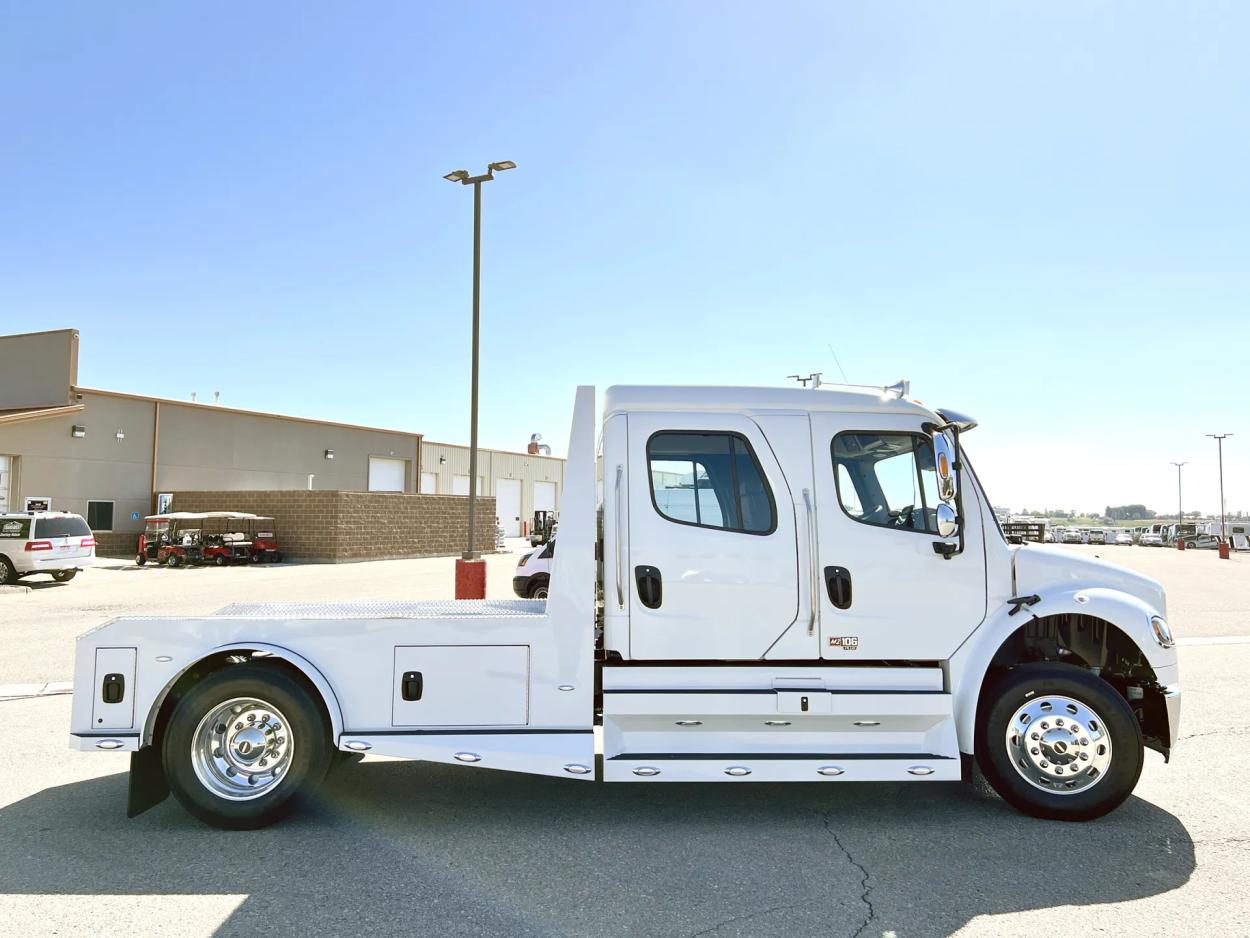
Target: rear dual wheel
x,y
1057,742
246,746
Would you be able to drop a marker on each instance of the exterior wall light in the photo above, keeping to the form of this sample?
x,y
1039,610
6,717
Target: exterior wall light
x,y
78,431
329,454
442,460
121,435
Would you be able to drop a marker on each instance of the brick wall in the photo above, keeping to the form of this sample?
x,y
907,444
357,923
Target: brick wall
x,y
340,527
116,543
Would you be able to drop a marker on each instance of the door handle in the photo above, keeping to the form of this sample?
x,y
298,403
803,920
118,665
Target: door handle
x,y
838,582
411,685
650,586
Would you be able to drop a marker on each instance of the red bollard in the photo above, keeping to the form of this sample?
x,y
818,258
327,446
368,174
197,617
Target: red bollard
x,y
1223,550
1180,545
470,578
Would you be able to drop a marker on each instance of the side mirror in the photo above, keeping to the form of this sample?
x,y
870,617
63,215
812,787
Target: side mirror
x,y
944,462
947,521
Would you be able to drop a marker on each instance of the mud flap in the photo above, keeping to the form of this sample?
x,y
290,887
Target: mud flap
x,y
148,786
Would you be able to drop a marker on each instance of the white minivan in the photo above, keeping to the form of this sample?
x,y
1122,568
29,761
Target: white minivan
x,y
55,542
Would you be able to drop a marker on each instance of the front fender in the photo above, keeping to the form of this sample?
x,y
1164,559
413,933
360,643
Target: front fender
x,y
1128,613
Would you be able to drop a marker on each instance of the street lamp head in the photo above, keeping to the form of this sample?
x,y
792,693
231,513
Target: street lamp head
x,y
501,166
459,175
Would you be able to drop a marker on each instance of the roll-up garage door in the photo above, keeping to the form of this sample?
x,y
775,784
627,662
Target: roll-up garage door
x,y
386,475
508,506
544,496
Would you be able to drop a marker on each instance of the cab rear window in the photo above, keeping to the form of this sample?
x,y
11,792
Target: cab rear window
x,y
710,480
72,526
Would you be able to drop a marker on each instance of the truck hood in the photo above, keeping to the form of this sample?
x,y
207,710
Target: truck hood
x,y
1040,567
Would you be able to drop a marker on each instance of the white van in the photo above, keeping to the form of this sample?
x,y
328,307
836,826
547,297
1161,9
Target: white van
x,y
55,542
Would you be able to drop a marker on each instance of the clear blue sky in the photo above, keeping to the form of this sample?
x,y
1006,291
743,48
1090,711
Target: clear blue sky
x,y
1037,212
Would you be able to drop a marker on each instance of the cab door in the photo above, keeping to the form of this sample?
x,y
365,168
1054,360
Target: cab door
x,y
712,556
885,594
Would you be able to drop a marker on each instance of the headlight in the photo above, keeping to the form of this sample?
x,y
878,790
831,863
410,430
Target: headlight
x,y
524,559
1163,635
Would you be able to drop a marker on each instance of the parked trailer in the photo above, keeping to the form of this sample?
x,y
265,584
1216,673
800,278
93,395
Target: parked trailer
x,y
751,629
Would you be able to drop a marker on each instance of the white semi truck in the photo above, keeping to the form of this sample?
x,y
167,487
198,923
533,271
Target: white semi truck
x,y
759,585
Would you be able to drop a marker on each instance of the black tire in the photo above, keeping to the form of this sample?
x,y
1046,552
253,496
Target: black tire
x,y
309,729
8,573
64,576
1031,682
537,588
277,557
141,559
221,560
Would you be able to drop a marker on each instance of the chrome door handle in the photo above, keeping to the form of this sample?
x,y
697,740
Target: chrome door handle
x,y
813,587
620,589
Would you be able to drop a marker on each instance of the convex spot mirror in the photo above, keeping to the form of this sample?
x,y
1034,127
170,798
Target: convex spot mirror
x,y
947,521
944,462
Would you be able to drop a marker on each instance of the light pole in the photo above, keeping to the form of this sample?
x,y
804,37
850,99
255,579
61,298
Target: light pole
x,y
1219,439
462,176
1180,513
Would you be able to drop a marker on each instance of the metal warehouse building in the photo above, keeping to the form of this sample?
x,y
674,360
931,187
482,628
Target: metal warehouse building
x,y
115,457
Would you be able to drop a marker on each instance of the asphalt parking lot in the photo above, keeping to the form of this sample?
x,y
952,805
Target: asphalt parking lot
x,y
403,848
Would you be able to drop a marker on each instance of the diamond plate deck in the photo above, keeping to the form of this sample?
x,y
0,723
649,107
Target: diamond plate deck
x,y
380,609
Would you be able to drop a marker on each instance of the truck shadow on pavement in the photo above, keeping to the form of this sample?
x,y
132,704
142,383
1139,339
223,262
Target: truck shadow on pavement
x,y
406,848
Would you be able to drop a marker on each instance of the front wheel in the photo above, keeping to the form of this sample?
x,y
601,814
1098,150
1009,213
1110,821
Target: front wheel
x,y
141,559
246,746
220,560
64,576
173,560
1059,743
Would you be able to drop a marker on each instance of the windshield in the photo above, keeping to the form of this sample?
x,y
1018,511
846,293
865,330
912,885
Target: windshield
x,y
72,526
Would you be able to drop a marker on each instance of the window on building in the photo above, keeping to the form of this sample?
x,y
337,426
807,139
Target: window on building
x,y
887,479
100,516
712,480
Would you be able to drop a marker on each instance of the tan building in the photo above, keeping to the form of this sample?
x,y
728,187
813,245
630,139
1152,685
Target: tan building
x,y
110,456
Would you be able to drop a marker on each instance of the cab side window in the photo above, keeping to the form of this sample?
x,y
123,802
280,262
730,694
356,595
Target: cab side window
x,y
887,480
711,480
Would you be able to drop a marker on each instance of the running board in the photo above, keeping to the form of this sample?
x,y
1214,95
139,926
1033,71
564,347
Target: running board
x,y
562,753
781,767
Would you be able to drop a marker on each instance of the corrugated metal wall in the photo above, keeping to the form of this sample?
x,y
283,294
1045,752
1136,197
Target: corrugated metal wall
x,y
492,464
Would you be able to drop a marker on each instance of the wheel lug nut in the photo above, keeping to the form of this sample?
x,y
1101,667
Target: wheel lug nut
x,y
1084,741
1059,722
1045,764
238,726
1045,725
1035,736
1035,750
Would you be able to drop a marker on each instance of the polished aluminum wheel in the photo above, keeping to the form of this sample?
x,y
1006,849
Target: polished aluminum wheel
x,y
1058,744
242,749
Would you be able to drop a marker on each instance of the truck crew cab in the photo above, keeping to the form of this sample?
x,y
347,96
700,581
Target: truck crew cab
x,y
789,585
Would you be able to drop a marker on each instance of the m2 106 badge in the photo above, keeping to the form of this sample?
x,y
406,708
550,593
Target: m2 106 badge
x,y
845,642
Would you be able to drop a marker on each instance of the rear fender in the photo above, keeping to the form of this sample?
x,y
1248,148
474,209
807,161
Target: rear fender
x,y
262,650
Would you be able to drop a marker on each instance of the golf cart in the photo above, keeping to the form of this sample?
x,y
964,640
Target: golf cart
x,y
263,542
227,536
173,539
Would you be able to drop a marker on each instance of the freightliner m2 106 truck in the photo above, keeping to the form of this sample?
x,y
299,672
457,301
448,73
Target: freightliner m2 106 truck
x,y
753,585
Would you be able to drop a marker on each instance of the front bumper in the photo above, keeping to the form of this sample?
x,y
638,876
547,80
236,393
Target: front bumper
x,y
521,585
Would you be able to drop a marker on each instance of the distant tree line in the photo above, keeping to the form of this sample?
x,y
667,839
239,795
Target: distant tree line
x,y
1128,513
